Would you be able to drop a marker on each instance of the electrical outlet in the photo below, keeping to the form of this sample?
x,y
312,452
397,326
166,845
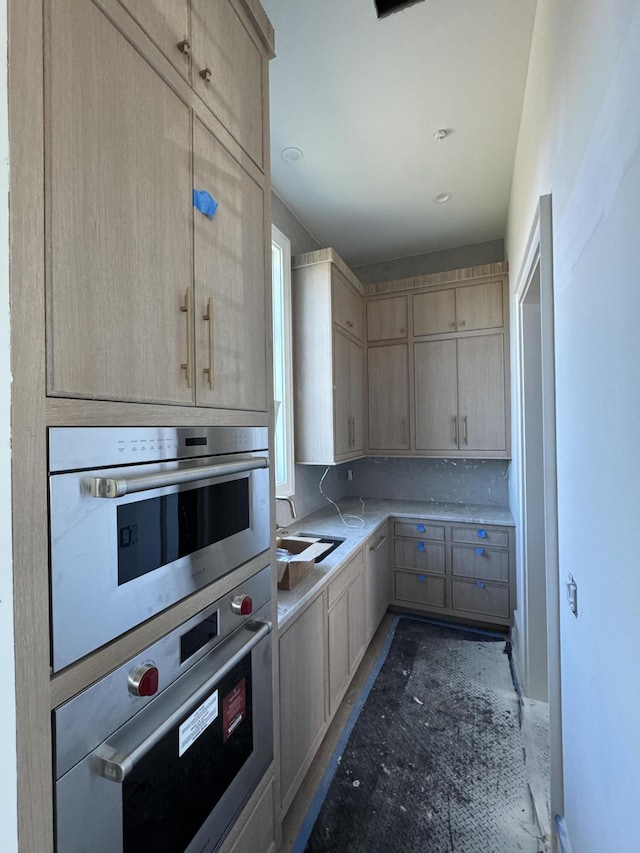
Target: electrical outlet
x,y
349,475
572,595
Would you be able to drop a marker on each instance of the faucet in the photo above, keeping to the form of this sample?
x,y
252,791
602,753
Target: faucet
x,y
292,506
280,531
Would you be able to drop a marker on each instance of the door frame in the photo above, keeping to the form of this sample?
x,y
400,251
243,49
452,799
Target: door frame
x,y
538,262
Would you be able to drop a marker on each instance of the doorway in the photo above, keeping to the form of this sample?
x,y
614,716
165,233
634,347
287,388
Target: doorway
x,y
537,634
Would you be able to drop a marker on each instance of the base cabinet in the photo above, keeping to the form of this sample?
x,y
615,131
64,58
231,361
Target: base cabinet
x,y
377,554
346,628
258,826
302,696
455,570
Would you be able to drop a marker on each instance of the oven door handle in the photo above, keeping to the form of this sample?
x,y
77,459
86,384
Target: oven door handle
x,y
117,487
116,766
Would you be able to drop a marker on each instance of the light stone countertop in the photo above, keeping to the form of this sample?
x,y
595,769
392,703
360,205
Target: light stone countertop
x,y
327,522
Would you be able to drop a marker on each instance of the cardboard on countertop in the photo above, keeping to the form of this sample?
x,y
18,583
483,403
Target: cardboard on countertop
x,y
306,550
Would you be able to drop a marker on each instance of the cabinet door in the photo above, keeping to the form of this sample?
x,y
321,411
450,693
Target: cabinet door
x,y
357,620
119,217
341,393
228,72
377,580
346,304
388,396
302,695
434,312
231,355
387,318
482,420
437,423
338,621
479,306
166,22
356,397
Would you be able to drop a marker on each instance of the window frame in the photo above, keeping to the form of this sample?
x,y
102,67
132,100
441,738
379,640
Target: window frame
x,y
281,243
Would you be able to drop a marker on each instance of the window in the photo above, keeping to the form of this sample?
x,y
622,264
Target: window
x,y
282,365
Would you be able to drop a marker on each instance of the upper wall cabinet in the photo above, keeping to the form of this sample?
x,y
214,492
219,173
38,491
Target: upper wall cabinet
x,y
148,298
327,360
210,44
460,309
387,318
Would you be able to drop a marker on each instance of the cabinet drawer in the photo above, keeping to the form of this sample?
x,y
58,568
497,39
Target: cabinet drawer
x,y
489,564
484,598
345,577
481,535
420,589
419,530
418,554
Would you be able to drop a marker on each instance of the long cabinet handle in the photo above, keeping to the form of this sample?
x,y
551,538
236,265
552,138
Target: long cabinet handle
x,y
464,429
404,429
379,545
209,318
455,430
188,364
117,487
117,767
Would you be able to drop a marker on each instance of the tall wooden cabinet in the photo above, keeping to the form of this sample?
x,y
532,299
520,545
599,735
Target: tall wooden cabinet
x,y
327,360
148,298
438,366
129,305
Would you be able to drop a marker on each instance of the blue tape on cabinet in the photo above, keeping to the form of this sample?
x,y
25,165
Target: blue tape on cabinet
x,y
205,203
420,546
482,534
420,528
479,551
422,578
480,584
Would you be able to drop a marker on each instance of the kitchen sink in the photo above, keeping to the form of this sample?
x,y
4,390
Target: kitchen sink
x,y
334,541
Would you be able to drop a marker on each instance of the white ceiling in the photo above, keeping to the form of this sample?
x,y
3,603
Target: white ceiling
x,y
362,98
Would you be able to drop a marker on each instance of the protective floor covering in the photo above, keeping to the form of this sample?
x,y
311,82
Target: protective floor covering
x,y
434,763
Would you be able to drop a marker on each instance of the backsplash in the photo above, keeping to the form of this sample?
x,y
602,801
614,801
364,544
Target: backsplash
x,y
476,481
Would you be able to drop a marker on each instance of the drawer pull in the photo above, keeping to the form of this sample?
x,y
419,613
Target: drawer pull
x,y
379,545
420,546
482,534
479,551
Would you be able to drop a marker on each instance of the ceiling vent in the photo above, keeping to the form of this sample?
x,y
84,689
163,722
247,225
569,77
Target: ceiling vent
x,y
386,7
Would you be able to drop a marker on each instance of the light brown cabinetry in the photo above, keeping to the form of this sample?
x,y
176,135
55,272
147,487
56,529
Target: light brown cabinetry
x,y
327,361
346,627
388,397
459,309
302,696
387,318
135,271
460,394
455,364
210,44
458,570
377,552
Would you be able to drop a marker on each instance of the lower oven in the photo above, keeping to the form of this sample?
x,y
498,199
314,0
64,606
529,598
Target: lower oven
x,y
142,517
161,754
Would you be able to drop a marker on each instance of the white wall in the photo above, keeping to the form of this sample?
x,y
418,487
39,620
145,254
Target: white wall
x,y
579,140
8,796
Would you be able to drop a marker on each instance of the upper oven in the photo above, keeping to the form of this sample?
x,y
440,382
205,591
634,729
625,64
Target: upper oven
x,y
141,518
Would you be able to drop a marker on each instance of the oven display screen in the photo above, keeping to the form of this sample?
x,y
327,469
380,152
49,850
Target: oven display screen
x,y
173,789
156,531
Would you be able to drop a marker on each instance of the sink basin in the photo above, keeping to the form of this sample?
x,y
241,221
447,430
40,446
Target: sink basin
x,y
334,541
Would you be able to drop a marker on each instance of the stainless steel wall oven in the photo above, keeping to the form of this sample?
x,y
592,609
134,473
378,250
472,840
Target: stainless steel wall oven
x,y
141,518
161,754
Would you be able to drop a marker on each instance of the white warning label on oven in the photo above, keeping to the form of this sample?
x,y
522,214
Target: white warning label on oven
x,y
193,727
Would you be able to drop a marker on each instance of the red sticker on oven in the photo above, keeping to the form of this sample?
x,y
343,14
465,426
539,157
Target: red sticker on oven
x,y
234,709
